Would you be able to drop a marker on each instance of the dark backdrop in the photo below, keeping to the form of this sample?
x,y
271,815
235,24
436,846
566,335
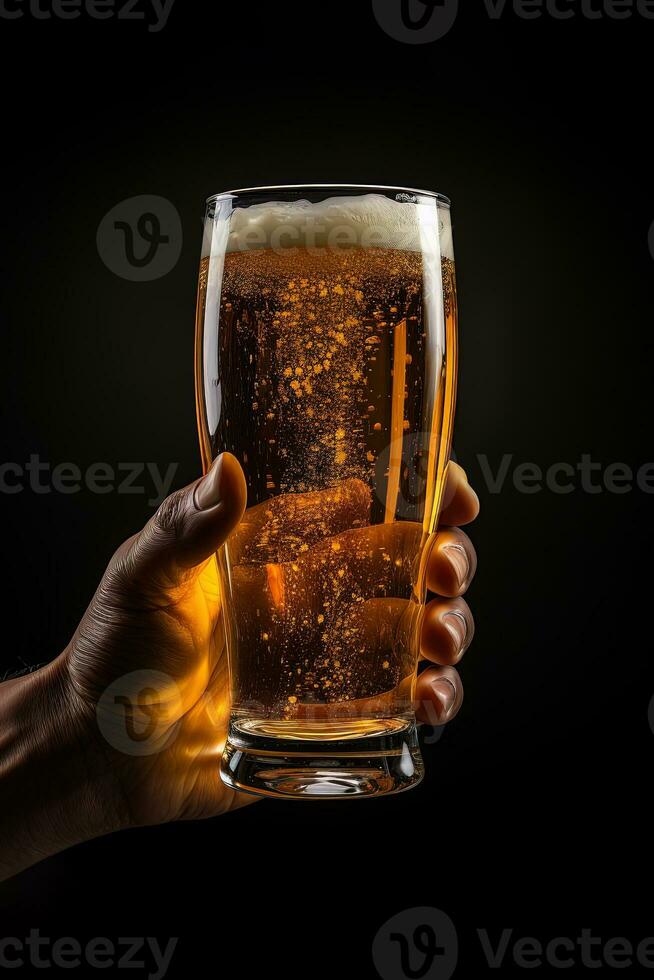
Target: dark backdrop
x,y
535,812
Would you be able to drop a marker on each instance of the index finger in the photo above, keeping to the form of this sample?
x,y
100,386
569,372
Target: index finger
x,y
277,530
460,502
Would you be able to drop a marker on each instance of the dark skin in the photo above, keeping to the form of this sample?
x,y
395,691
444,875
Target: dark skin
x,y
158,610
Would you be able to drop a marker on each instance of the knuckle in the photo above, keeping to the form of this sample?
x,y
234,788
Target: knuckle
x,y
117,572
170,515
458,535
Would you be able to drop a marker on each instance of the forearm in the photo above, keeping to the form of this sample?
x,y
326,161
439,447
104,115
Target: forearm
x,y
51,780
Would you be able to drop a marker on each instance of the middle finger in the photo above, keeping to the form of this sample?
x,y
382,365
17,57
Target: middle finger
x,y
452,562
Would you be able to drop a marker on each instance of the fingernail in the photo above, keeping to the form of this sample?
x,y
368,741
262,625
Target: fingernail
x,y
458,559
455,624
446,694
208,491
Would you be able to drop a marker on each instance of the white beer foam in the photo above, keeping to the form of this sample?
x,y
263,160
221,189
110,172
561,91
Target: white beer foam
x,y
369,220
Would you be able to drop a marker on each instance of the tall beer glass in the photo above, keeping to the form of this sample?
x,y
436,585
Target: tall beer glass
x,y
326,363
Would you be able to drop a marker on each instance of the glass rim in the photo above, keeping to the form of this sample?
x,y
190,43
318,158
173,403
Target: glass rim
x,y
312,188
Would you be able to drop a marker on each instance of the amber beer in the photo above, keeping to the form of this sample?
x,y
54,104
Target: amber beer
x,y
326,363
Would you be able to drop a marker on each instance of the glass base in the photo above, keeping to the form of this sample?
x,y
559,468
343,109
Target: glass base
x,y
335,769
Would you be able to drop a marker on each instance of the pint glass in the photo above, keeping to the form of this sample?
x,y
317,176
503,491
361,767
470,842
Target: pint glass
x,y
326,363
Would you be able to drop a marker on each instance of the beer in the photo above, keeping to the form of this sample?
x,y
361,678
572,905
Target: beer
x,y
329,373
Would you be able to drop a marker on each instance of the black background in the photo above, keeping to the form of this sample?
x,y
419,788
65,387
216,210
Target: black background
x,y
535,814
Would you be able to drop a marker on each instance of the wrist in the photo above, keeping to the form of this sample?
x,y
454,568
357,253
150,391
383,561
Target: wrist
x,y
55,781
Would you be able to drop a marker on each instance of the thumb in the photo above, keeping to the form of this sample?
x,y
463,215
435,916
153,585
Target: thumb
x,y
190,525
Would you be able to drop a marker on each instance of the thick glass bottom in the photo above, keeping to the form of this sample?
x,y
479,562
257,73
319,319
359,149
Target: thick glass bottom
x,y
313,769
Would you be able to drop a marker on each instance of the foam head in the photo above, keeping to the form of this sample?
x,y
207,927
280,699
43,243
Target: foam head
x,y
367,221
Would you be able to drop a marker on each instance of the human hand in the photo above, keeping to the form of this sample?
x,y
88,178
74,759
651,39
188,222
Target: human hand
x,y
138,703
